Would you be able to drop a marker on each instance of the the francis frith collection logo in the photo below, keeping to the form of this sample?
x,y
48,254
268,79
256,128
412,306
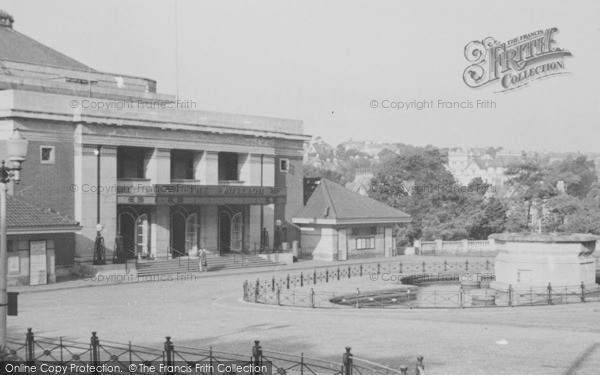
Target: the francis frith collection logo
x,y
515,63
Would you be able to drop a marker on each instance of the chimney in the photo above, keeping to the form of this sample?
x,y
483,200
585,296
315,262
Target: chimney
x,y
6,20
309,186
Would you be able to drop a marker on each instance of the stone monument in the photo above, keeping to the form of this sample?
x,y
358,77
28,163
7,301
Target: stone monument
x,y
526,261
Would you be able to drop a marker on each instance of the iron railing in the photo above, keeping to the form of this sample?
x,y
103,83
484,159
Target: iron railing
x,y
108,357
297,291
410,298
260,287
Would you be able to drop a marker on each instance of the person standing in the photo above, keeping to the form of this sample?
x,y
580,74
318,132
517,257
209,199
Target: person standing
x,y
202,260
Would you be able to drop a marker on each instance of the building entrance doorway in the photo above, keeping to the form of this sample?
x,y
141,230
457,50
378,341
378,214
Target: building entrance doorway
x,y
134,230
224,232
230,231
177,235
127,232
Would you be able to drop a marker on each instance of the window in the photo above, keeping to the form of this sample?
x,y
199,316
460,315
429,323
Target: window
x,y
236,232
284,165
131,162
365,243
182,165
228,166
47,154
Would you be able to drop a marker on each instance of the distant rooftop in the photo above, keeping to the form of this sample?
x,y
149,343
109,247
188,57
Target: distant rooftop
x,y
17,47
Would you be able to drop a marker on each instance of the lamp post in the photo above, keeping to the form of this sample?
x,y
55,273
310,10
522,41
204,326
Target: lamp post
x,y
99,252
16,148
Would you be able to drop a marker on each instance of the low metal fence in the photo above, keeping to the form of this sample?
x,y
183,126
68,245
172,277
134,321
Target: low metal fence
x,y
293,290
270,290
106,357
358,270
447,299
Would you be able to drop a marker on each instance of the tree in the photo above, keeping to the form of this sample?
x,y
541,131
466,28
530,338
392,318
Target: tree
x,y
491,219
578,173
417,182
529,185
584,220
349,161
559,208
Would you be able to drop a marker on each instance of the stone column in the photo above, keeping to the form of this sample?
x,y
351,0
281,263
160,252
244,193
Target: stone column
x,y
439,246
207,168
209,229
158,166
253,168
465,246
160,231
254,229
108,198
389,250
197,171
244,170
269,222
268,170
85,181
342,244
269,180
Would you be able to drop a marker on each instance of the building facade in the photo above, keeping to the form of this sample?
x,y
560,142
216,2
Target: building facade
x,y
339,224
39,243
466,165
159,175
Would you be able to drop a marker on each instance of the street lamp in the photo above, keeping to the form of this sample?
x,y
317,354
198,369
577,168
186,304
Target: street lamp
x,y
99,252
16,148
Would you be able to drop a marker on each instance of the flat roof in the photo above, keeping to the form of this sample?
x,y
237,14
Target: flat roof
x,y
37,105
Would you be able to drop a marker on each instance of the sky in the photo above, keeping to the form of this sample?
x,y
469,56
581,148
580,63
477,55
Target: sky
x,y
327,62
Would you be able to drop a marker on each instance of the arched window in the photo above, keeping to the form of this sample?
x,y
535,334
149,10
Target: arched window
x,y
236,232
192,233
142,234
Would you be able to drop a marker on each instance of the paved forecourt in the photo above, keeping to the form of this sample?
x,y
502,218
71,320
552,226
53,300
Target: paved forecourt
x,y
207,310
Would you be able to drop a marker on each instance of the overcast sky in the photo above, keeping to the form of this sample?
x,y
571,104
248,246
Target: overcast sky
x,y
324,62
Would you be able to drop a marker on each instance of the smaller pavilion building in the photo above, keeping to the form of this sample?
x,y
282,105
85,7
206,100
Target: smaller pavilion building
x,y
339,224
40,243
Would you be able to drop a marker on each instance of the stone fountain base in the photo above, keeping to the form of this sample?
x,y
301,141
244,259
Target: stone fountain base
x,y
527,261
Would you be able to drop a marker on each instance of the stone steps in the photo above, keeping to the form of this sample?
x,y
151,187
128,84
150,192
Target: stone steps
x,y
216,263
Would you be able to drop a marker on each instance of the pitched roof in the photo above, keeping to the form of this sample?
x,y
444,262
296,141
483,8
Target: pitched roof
x,y
363,181
332,201
17,47
22,215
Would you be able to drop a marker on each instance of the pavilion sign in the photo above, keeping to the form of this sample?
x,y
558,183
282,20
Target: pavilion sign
x,y
204,194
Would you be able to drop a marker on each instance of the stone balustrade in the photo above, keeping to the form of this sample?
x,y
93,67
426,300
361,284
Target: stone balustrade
x,y
463,247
